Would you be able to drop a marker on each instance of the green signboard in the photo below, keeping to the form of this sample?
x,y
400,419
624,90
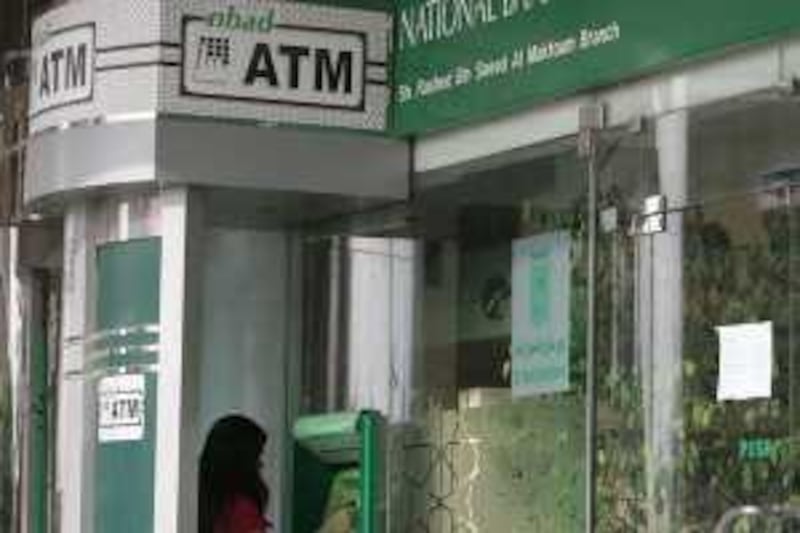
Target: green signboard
x,y
460,60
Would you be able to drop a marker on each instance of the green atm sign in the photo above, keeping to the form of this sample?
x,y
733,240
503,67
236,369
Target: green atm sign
x,y
461,60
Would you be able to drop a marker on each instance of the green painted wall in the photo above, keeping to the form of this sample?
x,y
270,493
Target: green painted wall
x,y
39,426
6,504
128,275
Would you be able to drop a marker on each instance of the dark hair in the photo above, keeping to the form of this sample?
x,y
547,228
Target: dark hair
x,y
229,467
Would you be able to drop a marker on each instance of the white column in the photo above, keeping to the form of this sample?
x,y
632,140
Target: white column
x,y
15,314
171,446
71,469
660,318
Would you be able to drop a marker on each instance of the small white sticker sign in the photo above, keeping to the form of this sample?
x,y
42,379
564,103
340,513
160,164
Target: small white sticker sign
x,y
121,408
745,361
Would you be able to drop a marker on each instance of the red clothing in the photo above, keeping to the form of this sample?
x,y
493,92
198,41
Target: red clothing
x,y
241,515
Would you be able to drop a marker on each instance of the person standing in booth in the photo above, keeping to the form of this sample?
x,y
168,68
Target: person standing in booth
x,y
232,496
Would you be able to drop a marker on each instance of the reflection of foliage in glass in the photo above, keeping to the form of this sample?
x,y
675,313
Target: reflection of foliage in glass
x,y
620,481
723,284
729,283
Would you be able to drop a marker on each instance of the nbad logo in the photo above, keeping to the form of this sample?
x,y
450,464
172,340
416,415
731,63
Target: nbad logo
x,y
252,56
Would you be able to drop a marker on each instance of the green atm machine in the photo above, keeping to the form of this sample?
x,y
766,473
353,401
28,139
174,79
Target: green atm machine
x,y
338,473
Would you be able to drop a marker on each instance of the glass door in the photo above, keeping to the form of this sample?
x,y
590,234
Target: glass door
x,y
698,324
461,317
627,171
738,370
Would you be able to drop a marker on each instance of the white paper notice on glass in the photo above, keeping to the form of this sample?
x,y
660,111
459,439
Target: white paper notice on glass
x,y
745,361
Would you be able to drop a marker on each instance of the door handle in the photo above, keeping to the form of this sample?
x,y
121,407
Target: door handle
x,y
729,517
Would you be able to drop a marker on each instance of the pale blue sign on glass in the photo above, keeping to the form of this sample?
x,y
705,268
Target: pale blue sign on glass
x,y
540,293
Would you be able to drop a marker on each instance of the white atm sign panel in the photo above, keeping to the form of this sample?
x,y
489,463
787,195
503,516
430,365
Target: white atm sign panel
x,y
287,64
62,69
121,408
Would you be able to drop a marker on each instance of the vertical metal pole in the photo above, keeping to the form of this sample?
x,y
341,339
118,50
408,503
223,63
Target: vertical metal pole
x,y
591,356
333,353
369,480
794,294
591,119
